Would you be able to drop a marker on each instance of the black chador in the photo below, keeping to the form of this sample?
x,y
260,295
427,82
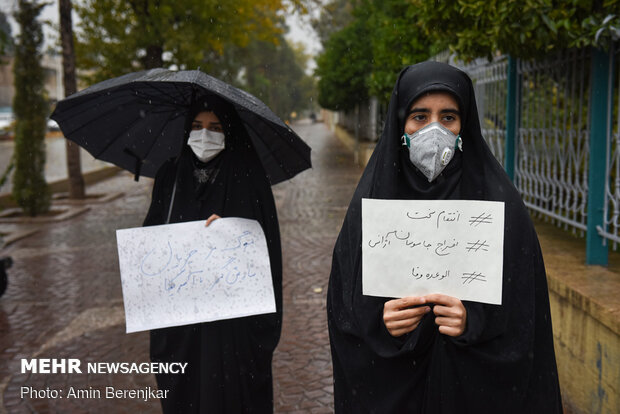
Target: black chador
x,y
504,361
229,361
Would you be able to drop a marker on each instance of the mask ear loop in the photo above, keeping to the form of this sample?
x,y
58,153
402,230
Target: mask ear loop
x,y
405,140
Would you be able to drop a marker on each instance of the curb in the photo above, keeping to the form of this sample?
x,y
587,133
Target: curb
x,y
59,186
362,150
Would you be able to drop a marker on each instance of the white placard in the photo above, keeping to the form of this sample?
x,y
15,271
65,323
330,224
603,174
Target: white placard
x,y
416,247
184,273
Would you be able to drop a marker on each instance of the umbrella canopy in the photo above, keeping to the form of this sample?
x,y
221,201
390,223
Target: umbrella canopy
x,y
136,121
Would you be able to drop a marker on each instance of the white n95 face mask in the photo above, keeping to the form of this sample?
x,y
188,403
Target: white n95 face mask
x,y
206,144
432,148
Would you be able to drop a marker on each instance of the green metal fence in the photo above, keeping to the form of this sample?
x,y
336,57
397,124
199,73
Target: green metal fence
x,y
554,124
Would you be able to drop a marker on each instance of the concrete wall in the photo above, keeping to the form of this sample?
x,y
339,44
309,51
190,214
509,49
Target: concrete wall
x,y
585,310
588,355
360,150
364,117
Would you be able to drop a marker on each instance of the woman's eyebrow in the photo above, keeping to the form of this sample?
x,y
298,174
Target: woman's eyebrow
x,y
426,110
417,110
450,111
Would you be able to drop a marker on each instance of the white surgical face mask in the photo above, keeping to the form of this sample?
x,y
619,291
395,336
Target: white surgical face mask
x,y
432,148
206,144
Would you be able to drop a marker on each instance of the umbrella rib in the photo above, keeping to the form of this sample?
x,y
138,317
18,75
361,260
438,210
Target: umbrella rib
x,y
269,124
78,112
129,126
135,94
258,135
83,108
170,117
182,92
154,99
110,111
162,91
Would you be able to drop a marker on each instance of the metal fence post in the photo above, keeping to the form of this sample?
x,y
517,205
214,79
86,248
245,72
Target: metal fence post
x,y
596,249
512,111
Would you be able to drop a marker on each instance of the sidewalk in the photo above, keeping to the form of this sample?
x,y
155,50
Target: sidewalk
x,y
64,297
55,163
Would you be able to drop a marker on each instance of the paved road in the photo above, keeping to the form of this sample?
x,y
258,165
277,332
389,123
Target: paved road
x,y
64,298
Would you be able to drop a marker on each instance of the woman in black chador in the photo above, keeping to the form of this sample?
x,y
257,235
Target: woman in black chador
x,y
437,354
218,173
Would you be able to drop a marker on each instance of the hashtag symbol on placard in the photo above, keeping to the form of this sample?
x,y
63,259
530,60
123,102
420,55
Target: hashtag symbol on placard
x,y
481,219
473,276
478,245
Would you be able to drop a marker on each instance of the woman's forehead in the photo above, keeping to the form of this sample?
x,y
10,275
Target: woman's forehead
x,y
435,100
206,117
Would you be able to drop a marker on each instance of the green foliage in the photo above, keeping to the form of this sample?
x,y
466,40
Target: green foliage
x,y
120,36
603,29
524,29
274,72
239,41
343,68
396,42
379,37
364,58
6,39
334,16
30,107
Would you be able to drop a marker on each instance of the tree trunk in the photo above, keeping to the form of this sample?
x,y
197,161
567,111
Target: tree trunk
x,y
153,58
74,168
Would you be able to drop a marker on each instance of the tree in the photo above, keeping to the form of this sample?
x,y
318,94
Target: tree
x,y
6,49
379,38
364,58
343,68
395,41
521,28
334,16
30,107
239,41
6,38
74,170
272,71
121,36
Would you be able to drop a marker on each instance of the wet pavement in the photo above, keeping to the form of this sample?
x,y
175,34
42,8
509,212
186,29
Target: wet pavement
x,y
55,163
64,297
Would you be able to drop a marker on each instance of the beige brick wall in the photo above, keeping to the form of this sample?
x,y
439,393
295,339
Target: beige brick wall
x,y
587,352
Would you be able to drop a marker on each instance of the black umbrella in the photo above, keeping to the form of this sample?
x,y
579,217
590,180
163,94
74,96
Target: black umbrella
x,y
136,121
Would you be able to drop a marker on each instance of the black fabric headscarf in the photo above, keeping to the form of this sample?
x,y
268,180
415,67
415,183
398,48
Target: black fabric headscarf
x,y
504,362
229,361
